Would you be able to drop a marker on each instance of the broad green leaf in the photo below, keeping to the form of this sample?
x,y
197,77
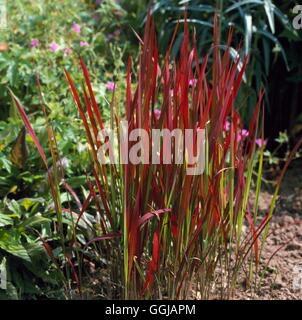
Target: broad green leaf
x,y
11,243
27,203
35,220
5,164
5,220
65,197
14,207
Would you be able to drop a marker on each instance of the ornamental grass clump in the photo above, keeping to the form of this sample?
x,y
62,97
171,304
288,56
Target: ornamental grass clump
x,y
163,231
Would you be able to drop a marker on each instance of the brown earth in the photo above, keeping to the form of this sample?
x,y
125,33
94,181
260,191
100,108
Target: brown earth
x,y
282,256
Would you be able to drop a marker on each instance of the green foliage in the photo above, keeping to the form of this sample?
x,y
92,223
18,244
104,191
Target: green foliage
x,y
273,157
48,22
29,270
259,27
30,179
33,27
152,230
26,205
170,229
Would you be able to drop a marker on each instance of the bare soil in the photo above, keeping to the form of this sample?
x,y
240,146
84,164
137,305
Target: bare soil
x,y
281,264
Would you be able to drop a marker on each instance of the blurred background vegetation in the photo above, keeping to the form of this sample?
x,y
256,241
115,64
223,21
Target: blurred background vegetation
x,y
263,29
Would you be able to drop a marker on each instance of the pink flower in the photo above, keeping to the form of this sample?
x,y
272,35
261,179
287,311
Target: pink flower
x,y
227,125
260,142
242,134
192,82
110,86
54,47
157,114
76,28
34,43
84,44
67,51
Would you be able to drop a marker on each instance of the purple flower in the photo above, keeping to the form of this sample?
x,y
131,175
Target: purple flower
x,y
192,82
76,28
260,142
34,43
157,114
54,47
67,51
111,86
84,44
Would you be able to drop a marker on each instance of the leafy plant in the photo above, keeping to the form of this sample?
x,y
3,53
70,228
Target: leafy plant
x,y
29,271
48,36
161,232
259,28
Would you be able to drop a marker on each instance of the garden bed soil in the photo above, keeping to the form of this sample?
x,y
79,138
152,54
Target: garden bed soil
x,y
282,254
